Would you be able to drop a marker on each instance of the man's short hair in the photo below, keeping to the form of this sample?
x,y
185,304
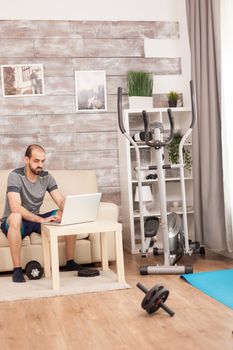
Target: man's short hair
x,y
30,148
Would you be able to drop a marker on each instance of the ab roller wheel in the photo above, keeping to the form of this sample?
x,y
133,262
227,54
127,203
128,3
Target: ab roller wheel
x,y
154,299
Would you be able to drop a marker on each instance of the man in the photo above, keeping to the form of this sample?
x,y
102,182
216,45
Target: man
x,y
25,193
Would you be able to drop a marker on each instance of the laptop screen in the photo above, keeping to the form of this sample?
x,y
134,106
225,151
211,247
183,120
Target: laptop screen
x,y
80,208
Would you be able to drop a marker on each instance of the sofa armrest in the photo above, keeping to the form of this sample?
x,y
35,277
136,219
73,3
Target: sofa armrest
x,y
108,211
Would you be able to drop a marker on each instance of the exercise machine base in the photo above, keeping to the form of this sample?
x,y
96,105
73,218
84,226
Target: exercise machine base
x,y
166,270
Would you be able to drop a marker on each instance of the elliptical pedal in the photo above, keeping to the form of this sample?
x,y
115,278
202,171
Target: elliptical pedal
x,y
151,226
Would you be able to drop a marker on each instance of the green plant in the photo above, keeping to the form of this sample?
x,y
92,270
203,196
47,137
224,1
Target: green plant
x,y
173,152
172,96
140,83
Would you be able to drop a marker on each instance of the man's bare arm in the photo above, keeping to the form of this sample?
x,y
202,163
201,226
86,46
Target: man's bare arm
x,y
16,207
58,198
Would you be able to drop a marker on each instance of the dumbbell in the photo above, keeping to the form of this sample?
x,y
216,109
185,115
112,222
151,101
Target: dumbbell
x,y
151,177
34,270
154,299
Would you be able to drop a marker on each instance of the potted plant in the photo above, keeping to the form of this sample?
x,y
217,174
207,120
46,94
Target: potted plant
x,y
172,98
173,152
140,87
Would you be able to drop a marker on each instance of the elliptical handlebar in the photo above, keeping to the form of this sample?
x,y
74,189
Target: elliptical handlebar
x,y
171,121
145,242
119,108
146,128
145,120
158,143
193,105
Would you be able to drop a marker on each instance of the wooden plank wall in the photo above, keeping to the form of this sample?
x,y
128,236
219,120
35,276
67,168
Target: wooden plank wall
x,y
75,140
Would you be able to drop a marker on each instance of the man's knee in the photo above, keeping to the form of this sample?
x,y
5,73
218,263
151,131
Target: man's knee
x,y
14,220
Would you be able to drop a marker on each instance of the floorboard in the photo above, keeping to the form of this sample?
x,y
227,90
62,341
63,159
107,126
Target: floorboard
x,y
115,319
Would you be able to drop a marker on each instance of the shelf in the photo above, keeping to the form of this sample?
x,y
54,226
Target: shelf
x,y
158,110
168,179
147,181
142,145
132,119
136,214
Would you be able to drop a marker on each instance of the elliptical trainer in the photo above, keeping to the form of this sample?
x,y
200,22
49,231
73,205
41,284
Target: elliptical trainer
x,y
168,222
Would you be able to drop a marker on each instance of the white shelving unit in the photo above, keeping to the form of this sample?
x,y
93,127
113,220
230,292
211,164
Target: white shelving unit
x,y
133,123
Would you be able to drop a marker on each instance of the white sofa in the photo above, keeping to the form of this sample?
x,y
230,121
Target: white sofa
x,y
87,249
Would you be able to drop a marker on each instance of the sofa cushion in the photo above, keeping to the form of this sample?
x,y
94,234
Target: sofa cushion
x,y
71,182
4,176
35,238
4,240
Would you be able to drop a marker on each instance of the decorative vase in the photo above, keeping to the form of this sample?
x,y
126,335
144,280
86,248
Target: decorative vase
x,y
172,103
140,102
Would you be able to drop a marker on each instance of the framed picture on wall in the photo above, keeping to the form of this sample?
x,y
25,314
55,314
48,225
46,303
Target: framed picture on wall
x,y
22,80
90,91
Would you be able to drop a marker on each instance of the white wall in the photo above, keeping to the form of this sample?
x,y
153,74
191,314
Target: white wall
x,y
173,48
92,9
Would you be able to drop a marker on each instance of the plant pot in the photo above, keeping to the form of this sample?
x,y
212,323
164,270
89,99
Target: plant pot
x,y
173,172
140,102
172,103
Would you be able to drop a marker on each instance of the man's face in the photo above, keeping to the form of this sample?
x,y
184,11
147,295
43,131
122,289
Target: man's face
x,y
36,162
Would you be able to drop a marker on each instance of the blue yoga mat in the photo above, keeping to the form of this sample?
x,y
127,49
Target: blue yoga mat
x,y
217,284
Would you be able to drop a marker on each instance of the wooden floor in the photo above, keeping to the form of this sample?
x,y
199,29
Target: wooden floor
x,y
115,320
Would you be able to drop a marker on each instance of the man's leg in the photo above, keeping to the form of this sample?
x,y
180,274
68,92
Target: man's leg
x,y
71,265
70,246
14,222
70,241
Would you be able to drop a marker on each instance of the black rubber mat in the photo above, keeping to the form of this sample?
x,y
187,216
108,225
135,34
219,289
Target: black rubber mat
x,y
88,273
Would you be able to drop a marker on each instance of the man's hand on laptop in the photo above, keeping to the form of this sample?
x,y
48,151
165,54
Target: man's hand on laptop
x,y
53,218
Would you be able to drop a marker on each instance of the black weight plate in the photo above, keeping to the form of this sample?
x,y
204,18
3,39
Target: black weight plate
x,y
31,262
150,294
155,302
156,251
34,270
202,250
88,273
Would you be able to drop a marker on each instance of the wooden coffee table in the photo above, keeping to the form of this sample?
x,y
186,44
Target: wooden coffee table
x,y
50,236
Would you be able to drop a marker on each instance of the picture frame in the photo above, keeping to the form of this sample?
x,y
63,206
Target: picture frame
x,y
90,91
22,80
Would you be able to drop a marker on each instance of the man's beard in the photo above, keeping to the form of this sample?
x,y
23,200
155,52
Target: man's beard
x,y
36,171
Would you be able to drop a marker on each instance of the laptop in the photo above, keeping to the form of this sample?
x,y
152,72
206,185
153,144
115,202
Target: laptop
x,y
79,208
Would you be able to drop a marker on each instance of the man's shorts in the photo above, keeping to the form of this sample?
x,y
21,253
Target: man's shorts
x,y
27,227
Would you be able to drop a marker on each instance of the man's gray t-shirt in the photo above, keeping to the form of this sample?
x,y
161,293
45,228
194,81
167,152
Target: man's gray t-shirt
x,y
31,194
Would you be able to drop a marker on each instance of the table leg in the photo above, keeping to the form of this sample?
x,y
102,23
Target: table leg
x,y
119,256
46,254
104,250
54,261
